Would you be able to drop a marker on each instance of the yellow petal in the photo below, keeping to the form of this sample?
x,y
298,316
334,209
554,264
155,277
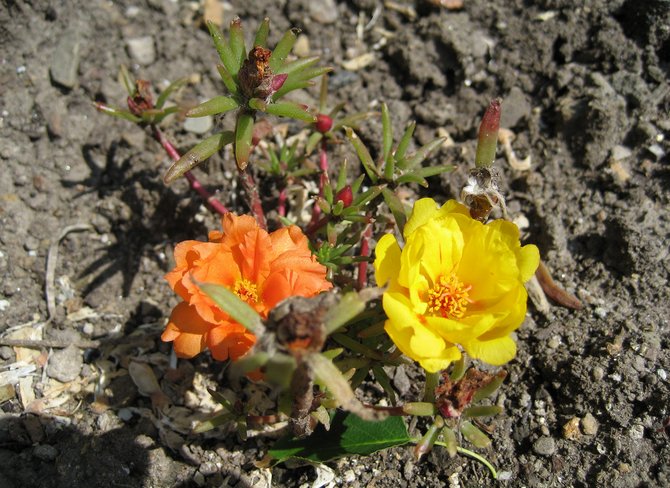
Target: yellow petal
x,y
424,210
387,259
495,351
529,260
433,365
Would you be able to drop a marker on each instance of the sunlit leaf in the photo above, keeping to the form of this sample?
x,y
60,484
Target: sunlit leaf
x,y
348,435
197,155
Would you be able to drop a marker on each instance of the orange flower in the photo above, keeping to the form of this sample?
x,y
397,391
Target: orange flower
x,y
260,268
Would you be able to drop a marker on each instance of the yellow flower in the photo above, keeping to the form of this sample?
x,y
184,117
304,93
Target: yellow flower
x,y
456,284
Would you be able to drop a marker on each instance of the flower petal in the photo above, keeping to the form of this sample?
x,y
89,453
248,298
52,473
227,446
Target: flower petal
x,y
229,340
187,330
387,259
495,351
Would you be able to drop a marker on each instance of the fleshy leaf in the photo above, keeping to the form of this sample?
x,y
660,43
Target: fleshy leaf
x,y
234,306
222,47
197,155
282,49
244,131
291,110
175,85
261,38
348,435
216,105
475,436
363,154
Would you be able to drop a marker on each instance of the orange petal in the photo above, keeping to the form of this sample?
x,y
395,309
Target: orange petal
x,y
229,340
187,330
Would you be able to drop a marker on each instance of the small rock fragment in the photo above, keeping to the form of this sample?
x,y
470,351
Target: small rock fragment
x,y
45,452
65,365
65,60
301,46
571,429
198,125
323,11
544,446
589,425
142,49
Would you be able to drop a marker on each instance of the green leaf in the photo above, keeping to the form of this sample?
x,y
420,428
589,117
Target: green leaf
x,y
363,154
237,47
489,389
348,435
385,382
423,152
458,369
282,49
197,155
227,79
238,309
404,144
397,208
117,112
298,65
291,110
216,105
222,47
175,85
475,436
350,305
244,131
482,411
387,136
261,38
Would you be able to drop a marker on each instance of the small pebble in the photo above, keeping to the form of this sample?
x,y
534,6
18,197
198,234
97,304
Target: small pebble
x,y
662,374
65,60
198,125
4,305
598,373
45,452
208,468
571,429
620,152
142,49
125,414
323,11
504,475
301,46
636,432
589,425
544,446
554,342
65,365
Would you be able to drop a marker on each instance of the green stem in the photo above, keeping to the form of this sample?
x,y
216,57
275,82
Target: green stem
x,y
432,380
473,455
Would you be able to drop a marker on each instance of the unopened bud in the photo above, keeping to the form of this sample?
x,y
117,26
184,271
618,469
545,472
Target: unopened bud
x,y
345,195
323,123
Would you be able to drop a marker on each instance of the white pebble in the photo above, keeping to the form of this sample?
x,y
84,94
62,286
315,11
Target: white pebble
x,y
4,305
662,374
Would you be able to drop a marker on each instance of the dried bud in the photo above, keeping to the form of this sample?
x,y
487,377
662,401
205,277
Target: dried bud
x,y
141,100
323,123
255,75
452,397
345,195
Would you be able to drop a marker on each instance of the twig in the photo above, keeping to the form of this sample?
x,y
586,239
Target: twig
x,y
554,291
195,184
52,259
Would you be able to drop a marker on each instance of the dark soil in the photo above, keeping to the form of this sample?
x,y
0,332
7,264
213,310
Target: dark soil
x,y
586,92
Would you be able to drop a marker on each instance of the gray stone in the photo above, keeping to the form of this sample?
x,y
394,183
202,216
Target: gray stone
x,y
515,107
323,11
45,452
65,365
65,61
198,125
142,49
544,446
589,425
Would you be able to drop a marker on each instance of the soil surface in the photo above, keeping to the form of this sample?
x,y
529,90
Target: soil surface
x,y
585,90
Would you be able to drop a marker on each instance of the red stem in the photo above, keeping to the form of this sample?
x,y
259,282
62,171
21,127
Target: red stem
x,y
195,184
365,252
251,189
281,203
323,165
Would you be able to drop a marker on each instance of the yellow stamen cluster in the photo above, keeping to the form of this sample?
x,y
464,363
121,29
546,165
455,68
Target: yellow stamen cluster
x,y
246,290
449,297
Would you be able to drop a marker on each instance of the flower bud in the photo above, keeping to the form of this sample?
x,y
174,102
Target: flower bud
x,y
323,123
345,195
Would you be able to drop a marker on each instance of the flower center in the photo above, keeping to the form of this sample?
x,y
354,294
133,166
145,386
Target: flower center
x,y
246,290
449,297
